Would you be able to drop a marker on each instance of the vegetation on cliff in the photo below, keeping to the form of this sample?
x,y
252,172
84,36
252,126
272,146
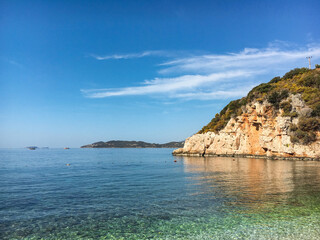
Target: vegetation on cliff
x,y
301,81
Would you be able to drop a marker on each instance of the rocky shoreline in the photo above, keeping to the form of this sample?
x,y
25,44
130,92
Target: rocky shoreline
x,y
247,156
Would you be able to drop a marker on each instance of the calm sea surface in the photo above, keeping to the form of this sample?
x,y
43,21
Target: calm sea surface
x,y
144,194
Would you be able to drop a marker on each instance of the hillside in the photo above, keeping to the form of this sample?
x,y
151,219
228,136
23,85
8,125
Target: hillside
x,y
287,106
132,144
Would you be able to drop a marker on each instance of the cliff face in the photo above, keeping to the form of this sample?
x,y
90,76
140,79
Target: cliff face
x,y
280,118
259,130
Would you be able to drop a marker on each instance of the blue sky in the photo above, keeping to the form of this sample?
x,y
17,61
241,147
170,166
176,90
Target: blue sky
x,y
77,72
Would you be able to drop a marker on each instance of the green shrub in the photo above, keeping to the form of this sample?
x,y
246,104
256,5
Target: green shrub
x,y
276,97
316,110
317,66
294,139
275,80
304,137
309,124
259,90
312,80
295,72
309,138
264,88
287,107
293,127
300,134
293,114
303,133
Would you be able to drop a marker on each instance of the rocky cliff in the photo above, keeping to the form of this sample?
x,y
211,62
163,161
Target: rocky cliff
x,y
263,125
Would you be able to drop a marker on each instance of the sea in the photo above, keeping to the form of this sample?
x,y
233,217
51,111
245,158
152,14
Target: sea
x,y
150,194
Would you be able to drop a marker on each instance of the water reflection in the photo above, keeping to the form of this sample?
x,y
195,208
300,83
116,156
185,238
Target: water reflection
x,y
253,182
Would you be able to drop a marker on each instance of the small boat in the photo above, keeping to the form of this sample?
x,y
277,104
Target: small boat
x,y
66,148
32,148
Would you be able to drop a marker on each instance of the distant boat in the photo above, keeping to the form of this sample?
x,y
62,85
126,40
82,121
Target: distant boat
x,y
32,148
66,148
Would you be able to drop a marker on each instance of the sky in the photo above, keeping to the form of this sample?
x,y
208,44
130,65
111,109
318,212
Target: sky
x,y
78,72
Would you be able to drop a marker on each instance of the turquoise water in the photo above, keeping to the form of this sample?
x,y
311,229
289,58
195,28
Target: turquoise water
x,y
144,194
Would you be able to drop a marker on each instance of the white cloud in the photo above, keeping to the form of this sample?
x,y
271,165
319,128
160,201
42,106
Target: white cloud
x,y
225,94
170,86
129,55
249,58
214,76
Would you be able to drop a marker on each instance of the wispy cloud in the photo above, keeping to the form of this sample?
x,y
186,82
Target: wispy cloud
x,y
183,85
130,55
219,94
12,62
214,76
249,58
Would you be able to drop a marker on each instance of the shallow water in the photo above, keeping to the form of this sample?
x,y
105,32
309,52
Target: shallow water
x,y
144,194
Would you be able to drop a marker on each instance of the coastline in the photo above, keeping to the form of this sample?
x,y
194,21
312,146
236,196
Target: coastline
x,y
247,156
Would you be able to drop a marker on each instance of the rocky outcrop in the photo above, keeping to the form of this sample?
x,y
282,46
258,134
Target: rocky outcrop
x,y
258,131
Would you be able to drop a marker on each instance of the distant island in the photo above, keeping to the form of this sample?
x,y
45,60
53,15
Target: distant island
x,y
133,144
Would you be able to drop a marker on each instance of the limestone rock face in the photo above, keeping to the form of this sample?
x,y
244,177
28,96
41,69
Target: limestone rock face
x,y
257,131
